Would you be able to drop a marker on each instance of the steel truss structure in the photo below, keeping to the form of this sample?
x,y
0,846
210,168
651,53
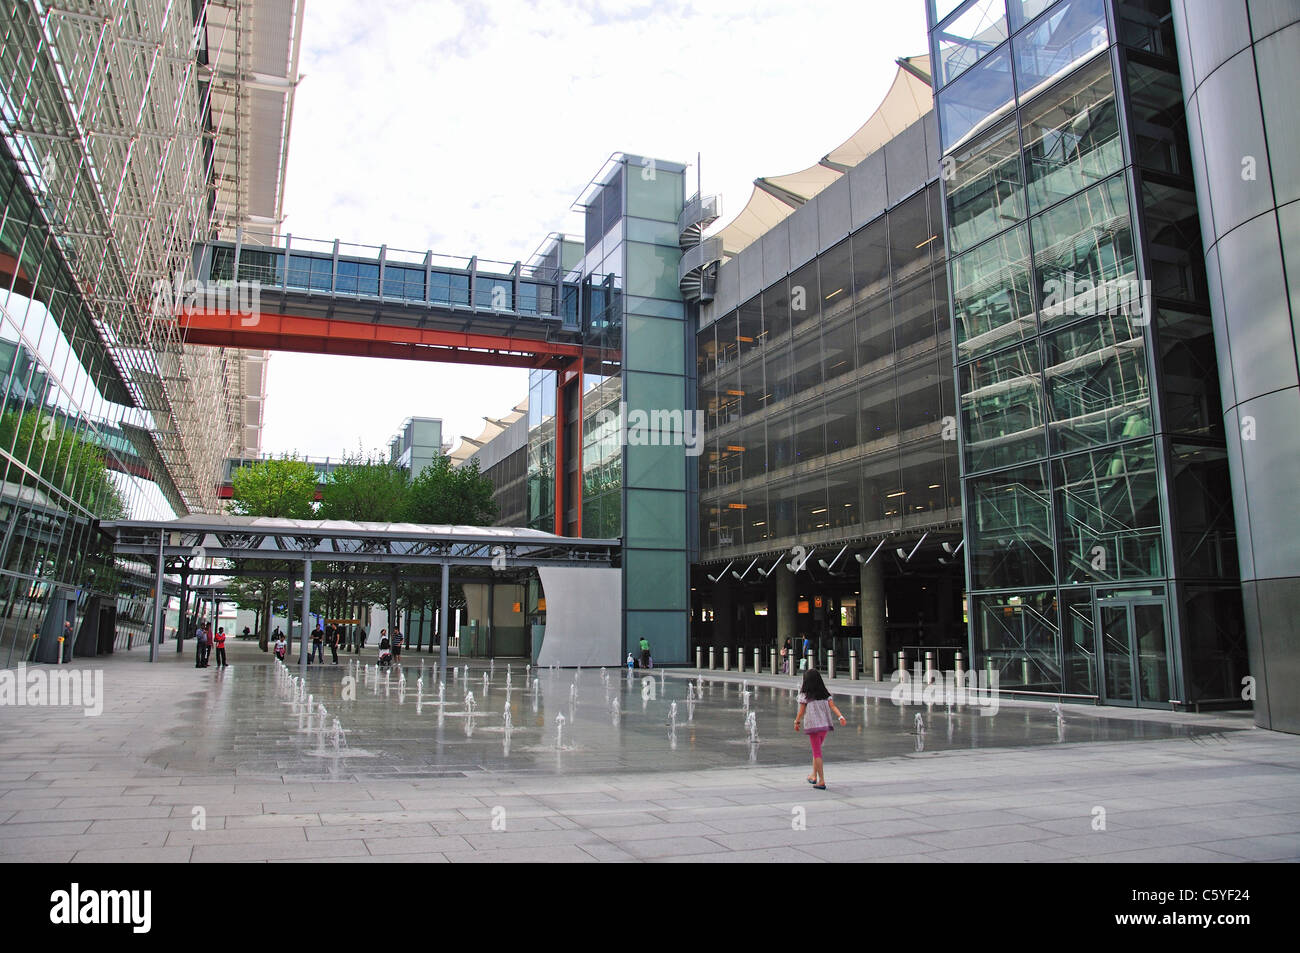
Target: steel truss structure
x,y
141,127
391,544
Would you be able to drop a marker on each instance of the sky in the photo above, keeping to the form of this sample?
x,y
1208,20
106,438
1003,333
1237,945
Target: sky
x,y
471,128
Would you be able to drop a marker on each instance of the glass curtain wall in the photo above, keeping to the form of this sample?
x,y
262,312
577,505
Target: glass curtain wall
x,y
65,459
1078,321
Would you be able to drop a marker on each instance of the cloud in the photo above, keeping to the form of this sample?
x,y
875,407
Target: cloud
x,y
470,128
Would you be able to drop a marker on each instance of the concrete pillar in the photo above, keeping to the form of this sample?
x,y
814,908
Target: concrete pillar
x,y
786,615
306,616
159,600
871,607
443,614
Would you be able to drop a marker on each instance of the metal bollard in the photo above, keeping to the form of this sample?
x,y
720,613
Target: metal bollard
x,y
758,661
772,657
853,665
699,656
902,661
957,665
711,664
740,658
875,664
726,658
929,662
1024,671
830,663
988,668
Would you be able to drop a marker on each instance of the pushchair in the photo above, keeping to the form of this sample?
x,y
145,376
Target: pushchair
x,y
385,654
280,650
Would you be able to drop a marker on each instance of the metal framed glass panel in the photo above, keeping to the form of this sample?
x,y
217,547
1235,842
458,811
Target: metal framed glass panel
x,y
1002,409
977,100
992,303
1071,136
1084,260
967,37
1071,33
1109,506
985,191
1096,377
1010,529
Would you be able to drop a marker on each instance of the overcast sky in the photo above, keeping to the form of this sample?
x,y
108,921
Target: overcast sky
x,y
470,128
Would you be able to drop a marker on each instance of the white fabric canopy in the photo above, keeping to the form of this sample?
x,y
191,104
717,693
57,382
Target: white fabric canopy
x,y
909,98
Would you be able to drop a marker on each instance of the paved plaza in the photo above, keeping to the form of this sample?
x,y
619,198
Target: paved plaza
x,y
219,765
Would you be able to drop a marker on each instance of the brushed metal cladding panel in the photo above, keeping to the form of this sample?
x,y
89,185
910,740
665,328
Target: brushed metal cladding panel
x,y
833,214
867,191
583,612
803,233
776,252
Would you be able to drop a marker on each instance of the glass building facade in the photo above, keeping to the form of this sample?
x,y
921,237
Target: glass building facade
x,y
1101,543
115,144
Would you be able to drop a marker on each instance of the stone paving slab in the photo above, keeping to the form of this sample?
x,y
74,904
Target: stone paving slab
x,y
122,788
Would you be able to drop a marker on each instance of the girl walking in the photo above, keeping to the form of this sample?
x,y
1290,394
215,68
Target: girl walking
x,y
814,720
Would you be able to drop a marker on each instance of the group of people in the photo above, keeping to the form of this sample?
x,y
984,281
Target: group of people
x,y
390,649
788,656
205,641
331,636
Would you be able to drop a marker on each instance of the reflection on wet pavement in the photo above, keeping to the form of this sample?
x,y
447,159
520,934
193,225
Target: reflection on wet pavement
x,y
506,717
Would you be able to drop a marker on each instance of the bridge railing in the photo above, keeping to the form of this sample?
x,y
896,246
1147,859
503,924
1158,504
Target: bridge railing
x,y
380,273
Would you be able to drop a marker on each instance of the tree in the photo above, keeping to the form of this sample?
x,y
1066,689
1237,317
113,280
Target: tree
x,y
454,496
65,459
285,489
365,490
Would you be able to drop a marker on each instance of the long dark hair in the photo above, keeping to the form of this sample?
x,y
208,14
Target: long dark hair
x,y
814,689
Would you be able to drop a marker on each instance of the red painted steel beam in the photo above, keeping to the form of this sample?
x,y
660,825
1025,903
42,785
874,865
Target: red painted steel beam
x,y
277,332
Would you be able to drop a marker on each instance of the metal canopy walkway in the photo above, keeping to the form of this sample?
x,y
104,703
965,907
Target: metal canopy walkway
x,y
333,298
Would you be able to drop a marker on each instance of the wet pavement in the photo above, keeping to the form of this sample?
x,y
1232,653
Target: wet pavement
x,y
593,721
188,765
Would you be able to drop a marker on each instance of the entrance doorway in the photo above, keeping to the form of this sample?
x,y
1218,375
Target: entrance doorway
x,y
1133,646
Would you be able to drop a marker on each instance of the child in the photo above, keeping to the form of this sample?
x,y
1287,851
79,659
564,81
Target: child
x,y
279,645
815,707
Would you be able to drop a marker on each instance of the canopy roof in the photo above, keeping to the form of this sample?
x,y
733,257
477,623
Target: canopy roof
x,y
775,197
208,537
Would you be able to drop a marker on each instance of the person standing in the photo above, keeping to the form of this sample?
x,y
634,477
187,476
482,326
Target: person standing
x,y
397,645
814,720
221,648
361,636
332,640
317,646
645,652
785,658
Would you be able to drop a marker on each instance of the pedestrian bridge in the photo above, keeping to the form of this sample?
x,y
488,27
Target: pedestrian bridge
x,y
328,297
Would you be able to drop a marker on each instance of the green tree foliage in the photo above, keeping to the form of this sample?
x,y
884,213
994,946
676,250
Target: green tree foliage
x,y
63,458
283,488
366,490
456,496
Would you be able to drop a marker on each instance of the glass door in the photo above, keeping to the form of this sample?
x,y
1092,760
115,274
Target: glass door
x,y
1133,646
